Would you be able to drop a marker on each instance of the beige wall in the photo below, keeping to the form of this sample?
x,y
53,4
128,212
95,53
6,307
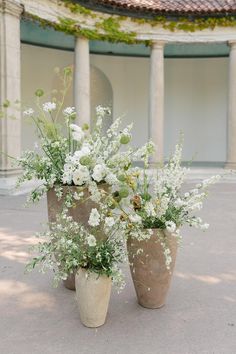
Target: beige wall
x,y
195,96
196,103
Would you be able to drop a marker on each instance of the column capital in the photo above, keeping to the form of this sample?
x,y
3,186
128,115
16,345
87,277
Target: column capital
x,y
11,7
158,44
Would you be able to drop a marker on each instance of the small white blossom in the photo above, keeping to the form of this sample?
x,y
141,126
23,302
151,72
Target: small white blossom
x,y
68,111
111,179
94,218
135,218
91,240
99,172
49,106
170,226
81,175
204,226
150,210
28,112
109,221
77,132
102,111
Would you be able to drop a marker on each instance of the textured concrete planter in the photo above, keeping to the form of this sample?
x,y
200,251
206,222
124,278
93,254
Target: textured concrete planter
x,y
92,295
148,269
79,213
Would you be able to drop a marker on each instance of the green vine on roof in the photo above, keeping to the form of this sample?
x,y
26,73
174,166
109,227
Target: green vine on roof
x,y
78,9
184,24
188,25
109,28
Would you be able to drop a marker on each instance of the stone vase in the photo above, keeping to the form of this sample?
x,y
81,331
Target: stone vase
x,y
80,213
150,276
92,296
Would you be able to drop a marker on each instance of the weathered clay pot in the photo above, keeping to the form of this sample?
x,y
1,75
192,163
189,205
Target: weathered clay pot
x,y
69,283
148,269
92,295
79,213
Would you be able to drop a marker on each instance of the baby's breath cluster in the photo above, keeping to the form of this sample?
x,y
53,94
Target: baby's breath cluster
x,y
69,245
157,202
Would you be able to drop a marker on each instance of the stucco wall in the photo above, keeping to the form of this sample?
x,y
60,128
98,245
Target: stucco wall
x,y
195,96
195,101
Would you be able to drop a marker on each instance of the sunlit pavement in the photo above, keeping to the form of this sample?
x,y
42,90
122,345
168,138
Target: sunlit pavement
x,y
199,316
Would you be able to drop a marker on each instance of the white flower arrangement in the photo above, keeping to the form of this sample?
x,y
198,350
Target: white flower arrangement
x,y
157,202
77,157
69,245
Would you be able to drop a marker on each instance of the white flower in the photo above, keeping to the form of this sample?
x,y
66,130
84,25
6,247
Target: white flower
x,y
78,196
95,193
91,241
109,221
94,218
68,111
28,112
204,226
101,111
84,151
111,179
170,226
49,106
135,218
179,203
99,172
81,175
77,132
150,210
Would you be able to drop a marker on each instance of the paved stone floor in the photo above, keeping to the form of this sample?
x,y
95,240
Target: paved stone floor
x,y
199,316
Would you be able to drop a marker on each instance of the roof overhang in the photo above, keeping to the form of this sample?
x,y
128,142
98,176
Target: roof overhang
x,y
53,10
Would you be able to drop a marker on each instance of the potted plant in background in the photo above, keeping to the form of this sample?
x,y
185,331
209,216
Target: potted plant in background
x,y
72,248
158,209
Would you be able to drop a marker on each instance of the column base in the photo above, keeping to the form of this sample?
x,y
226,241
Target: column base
x,y
8,186
230,166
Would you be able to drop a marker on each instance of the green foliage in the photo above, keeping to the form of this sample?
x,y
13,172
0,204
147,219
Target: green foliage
x,y
188,25
109,29
68,246
78,9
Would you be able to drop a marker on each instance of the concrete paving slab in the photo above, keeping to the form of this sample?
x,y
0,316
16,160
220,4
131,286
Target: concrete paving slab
x,y
199,316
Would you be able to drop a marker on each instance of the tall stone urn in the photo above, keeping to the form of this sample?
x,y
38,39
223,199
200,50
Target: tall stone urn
x,y
150,276
80,213
92,296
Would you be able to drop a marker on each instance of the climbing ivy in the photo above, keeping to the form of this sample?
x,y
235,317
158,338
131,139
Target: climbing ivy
x,y
77,9
109,28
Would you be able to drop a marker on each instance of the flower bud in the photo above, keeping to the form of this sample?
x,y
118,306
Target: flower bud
x,y
39,93
123,193
85,160
125,139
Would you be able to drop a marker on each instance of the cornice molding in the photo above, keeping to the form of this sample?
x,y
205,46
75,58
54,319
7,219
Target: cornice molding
x,y
11,7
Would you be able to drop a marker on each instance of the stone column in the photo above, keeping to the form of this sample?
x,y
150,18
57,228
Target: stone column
x,y
156,104
10,85
231,152
82,81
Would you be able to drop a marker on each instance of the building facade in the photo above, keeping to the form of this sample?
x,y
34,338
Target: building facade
x,y
164,73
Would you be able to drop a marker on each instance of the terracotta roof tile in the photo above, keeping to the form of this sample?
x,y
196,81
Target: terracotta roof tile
x,y
172,6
